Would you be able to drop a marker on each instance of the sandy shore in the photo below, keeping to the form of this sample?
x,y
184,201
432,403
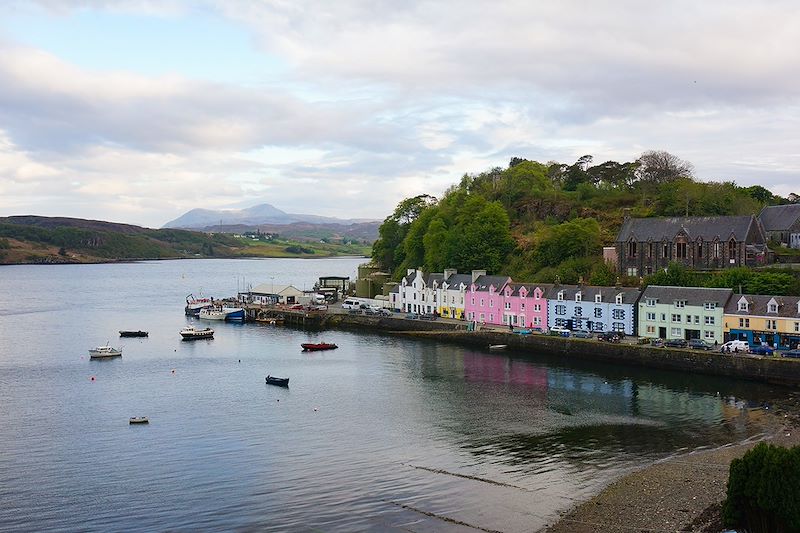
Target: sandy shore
x,y
684,493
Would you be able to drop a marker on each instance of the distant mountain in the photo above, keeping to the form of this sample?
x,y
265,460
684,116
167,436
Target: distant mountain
x,y
208,219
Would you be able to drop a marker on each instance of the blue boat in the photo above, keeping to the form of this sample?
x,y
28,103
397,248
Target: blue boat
x,y
233,314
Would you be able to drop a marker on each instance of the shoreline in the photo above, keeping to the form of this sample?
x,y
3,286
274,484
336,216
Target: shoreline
x,y
678,493
142,259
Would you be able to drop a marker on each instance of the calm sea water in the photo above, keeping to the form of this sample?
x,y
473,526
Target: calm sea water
x,y
384,433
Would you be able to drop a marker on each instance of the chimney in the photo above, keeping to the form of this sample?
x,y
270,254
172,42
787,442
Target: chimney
x,y
477,273
449,272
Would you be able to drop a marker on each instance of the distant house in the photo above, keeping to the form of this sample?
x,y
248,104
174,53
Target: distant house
x,y
757,319
782,223
484,299
579,307
417,292
645,245
683,313
525,305
452,291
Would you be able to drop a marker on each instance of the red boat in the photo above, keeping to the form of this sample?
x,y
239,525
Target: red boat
x,y
313,347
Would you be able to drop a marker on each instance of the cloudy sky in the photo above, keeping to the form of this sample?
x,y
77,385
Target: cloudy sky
x,y
139,111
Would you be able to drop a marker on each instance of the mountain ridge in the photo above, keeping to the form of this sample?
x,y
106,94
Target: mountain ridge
x,y
200,218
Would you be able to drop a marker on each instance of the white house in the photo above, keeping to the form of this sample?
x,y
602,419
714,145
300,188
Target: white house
x,y
269,293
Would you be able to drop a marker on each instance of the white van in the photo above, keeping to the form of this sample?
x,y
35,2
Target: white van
x,y
735,346
351,304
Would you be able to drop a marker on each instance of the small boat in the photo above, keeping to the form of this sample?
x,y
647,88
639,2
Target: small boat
x,y
139,333
280,382
313,347
194,305
190,333
104,352
498,346
209,313
138,420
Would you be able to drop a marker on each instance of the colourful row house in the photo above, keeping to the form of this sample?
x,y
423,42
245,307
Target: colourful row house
x,y
451,292
683,313
771,320
525,305
484,298
594,309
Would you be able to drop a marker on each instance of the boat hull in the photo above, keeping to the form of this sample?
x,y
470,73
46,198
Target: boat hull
x,y
211,314
133,334
315,347
280,382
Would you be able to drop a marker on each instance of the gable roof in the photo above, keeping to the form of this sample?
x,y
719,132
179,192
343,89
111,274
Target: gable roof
x,y
787,305
588,292
483,282
692,295
457,279
665,228
529,287
779,217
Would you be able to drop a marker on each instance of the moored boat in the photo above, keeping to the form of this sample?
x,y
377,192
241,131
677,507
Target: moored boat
x,y
210,313
498,346
233,314
281,382
139,333
194,305
191,333
104,352
316,346
138,420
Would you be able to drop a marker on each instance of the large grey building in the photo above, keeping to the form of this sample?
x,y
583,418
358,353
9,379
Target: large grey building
x,y
782,223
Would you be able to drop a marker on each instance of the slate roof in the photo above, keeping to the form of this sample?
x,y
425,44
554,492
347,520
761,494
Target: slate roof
x,y
787,306
779,217
588,292
530,287
456,279
692,295
433,278
483,282
666,228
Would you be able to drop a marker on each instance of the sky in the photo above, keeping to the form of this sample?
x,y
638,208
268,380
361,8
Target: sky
x,y
138,111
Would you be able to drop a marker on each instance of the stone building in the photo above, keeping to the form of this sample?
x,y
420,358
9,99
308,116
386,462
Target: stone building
x,y
782,223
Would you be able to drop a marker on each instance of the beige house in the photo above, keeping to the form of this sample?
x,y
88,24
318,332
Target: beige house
x,y
269,293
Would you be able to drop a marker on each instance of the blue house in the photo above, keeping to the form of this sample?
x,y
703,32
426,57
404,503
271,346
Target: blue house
x,y
594,309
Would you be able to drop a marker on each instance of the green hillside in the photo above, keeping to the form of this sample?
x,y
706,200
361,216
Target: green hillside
x,y
542,222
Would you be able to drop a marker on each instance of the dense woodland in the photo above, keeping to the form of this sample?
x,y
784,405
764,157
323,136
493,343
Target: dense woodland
x,y
547,222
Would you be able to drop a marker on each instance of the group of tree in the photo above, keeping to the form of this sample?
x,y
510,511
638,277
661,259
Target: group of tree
x,y
549,221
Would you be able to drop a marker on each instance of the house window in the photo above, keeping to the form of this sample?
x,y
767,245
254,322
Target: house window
x,y
743,306
631,248
522,306
700,249
651,250
732,249
680,303
680,250
688,319
481,302
473,300
561,309
598,312
560,322
663,317
508,305
744,323
619,299
676,318
708,334
797,327
676,333
709,320
651,316
651,302
710,306
578,297
665,250
537,321
716,250
598,298
618,314
651,329
483,317
696,319
618,326
772,324
578,311
560,296
633,272
491,303
537,308
772,308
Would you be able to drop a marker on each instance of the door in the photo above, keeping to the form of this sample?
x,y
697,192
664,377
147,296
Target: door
x,y
662,333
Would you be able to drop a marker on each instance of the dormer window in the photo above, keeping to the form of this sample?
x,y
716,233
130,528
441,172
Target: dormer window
x,y
619,299
772,306
578,297
710,306
744,305
560,296
680,303
598,298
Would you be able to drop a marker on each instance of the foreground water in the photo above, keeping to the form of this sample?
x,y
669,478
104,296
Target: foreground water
x,y
384,433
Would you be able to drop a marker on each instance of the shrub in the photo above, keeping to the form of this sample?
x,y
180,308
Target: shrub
x,y
764,490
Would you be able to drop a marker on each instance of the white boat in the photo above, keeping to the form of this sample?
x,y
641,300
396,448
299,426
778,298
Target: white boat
x,y
210,313
194,305
498,346
190,333
104,352
138,420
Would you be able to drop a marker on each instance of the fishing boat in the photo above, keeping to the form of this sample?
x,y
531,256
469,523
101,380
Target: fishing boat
x,y
138,420
233,314
280,382
104,352
194,305
190,333
496,347
139,333
313,347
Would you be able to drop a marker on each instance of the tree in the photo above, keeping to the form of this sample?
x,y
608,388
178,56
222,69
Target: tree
x,y
676,275
482,241
576,238
657,167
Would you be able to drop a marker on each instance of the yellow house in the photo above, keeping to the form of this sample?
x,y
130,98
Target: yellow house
x,y
758,319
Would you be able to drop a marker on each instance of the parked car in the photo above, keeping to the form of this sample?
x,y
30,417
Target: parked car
x,y
700,344
429,316
792,353
582,334
559,332
735,346
608,336
675,343
658,343
761,349
296,306
385,312
412,316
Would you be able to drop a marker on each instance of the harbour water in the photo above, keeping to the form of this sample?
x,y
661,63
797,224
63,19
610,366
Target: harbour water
x,y
384,433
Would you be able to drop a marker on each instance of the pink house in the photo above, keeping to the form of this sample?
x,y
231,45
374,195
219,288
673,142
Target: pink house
x,y
524,305
484,298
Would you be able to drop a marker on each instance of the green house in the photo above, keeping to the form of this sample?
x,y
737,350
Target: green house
x,y
683,313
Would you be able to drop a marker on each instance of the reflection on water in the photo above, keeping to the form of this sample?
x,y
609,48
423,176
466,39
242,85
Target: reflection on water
x,y
384,433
